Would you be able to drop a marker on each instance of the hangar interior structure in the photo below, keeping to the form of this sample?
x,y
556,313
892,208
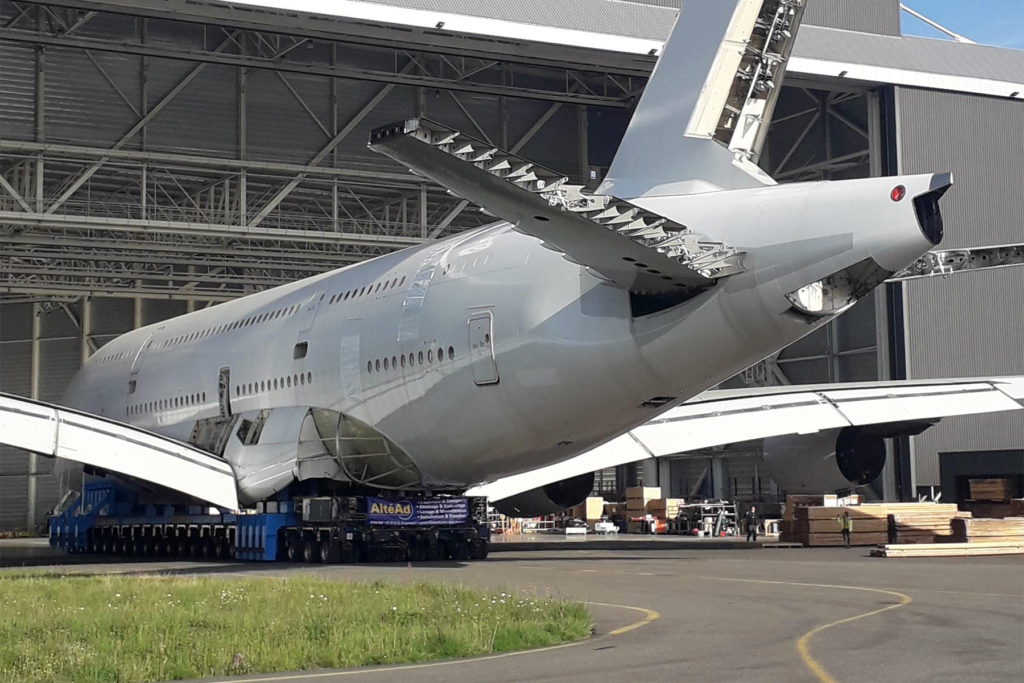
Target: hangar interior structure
x,y
159,156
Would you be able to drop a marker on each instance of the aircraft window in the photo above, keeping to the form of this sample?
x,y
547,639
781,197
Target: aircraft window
x,y
347,293
275,383
238,390
394,283
331,301
376,365
451,353
204,397
394,362
421,357
402,281
295,380
487,338
430,355
386,365
369,366
412,360
309,377
377,289
263,386
302,379
386,284
403,360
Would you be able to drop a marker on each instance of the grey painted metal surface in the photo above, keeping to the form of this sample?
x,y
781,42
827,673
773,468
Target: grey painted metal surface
x,y
961,327
869,16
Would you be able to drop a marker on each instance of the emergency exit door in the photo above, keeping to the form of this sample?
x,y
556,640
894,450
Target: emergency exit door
x,y
481,348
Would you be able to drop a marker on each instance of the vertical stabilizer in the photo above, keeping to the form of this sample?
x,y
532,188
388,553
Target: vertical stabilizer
x,y
702,119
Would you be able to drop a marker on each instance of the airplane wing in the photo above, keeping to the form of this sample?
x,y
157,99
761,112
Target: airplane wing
x,y
717,418
55,431
636,249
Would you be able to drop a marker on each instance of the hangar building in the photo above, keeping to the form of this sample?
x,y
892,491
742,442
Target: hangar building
x,y
158,156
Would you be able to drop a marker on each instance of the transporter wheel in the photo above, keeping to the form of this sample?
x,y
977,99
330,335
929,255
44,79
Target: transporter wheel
x,y
350,552
182,547
310,551
170,546
330,553
206,548
458,550
478,549
221,550
293,551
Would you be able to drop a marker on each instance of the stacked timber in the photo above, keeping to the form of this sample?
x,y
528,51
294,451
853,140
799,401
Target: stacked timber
x,y
922,522
873,523
787,527
992,490
1007,530
950,549
819,525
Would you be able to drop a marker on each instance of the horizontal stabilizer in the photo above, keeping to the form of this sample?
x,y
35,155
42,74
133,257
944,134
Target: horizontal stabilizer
x,y
718,418
117,448
949,261
635,248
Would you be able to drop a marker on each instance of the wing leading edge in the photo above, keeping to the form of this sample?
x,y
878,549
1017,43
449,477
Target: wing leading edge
x,y
717,418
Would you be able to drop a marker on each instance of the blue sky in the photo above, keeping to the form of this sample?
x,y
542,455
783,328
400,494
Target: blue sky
x,y
989,22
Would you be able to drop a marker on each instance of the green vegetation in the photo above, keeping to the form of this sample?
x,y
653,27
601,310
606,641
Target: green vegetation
x,y
128,629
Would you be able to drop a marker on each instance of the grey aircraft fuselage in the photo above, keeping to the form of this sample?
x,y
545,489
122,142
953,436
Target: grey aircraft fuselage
x,y
410,342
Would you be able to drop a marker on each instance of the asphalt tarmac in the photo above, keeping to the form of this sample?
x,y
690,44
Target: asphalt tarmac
x,y
702,614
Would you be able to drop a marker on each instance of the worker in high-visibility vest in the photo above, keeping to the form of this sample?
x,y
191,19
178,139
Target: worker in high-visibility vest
x,y
846,527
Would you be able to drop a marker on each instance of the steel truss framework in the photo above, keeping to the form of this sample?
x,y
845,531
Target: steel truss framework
x,y
117,206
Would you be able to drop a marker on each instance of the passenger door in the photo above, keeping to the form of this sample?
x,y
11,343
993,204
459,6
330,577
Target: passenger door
x,y
481,348
224,392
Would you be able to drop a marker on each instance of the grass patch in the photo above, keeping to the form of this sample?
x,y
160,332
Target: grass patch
x,y
89,629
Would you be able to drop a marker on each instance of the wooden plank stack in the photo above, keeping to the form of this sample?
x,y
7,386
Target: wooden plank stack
x,y
950,549
873,523
994,490
1008,530
591,510
923,522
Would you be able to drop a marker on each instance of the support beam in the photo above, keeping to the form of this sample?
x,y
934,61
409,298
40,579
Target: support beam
x,y
33,459
447,220
14,193
322,154
139,125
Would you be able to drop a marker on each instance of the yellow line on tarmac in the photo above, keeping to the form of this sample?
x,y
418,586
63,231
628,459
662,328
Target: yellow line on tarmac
x,y
803,643
649,616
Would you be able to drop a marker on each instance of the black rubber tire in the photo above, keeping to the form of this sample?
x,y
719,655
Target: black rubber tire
x,y
206,548
458,550
182,547
478,549
310,551
292,551
330,552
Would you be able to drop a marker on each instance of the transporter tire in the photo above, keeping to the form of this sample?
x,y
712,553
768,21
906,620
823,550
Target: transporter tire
x,y
350,553
330,553
292,550
182,547
458,550
310,551
206,548
478,549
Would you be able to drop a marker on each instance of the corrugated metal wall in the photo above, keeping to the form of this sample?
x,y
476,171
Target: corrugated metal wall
x,y
868,16
969,325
